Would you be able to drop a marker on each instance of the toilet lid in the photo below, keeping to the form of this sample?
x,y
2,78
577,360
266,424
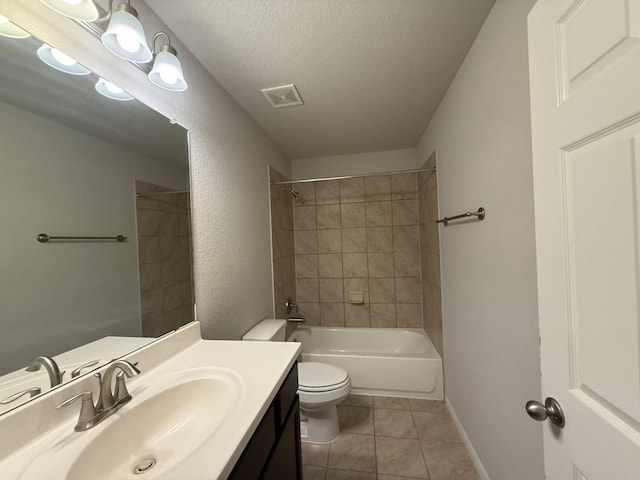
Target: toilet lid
x,y
315,375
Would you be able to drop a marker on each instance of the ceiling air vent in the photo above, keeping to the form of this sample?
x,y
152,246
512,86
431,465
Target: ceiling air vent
x,y
284,96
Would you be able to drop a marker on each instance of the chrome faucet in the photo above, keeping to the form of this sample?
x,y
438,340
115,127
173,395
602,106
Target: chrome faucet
x,y
108,401
107,397
49,364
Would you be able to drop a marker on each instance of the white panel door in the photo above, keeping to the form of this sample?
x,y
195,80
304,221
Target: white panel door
x,y
585,101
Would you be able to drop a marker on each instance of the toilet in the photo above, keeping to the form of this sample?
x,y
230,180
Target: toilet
x,y
321,387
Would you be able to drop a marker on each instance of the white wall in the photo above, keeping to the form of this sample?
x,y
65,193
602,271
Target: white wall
x,y
355,164
58,180
229,158
482,135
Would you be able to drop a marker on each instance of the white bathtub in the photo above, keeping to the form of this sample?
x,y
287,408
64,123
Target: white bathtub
x,y
380,361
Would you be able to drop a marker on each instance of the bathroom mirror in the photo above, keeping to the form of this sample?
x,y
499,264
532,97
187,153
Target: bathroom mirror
x,y
76,163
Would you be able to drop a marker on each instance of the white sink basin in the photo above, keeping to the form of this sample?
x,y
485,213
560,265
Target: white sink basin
x,y
154,433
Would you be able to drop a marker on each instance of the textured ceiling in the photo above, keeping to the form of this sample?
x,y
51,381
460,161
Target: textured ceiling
x,y
29,84
371,72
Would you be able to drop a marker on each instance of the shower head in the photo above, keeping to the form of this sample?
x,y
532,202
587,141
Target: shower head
x,y
291,191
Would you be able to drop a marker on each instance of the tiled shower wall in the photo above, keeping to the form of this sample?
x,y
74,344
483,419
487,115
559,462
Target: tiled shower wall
x,y
430,257
358,235
164,256
282,246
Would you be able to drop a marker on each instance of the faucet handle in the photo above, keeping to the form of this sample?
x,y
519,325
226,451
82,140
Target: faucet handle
x,y
76,372
32,392
87,409
121,394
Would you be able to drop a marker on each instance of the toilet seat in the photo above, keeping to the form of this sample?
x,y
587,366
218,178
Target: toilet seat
x,y
321,377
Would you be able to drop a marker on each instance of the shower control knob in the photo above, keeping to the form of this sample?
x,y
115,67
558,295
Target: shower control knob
x,y
551,410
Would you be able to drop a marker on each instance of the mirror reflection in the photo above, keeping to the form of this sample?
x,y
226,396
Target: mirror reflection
x,y
83,158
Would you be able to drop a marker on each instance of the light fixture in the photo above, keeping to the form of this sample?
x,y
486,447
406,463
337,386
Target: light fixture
x,y
125,36
167,71
82,10
112,91
61,61
8,29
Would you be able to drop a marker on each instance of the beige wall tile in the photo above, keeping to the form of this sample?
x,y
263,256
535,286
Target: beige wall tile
x,y
304,218
380,264
354,240
354,265
330,265
306,242
149,249
310,312
406,239
409,315
383,315
406,264
377,188
151,276
352,215
331,290
327,192
356,285
356,315
329,241
169,223
332,314
405,212
307,193
151,301
306,266
328,216
379,239
307,290
169,248
408,290
352,190
404,186
382,290
378,214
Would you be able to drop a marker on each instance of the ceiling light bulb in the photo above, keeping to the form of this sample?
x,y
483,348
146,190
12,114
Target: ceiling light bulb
x,y
125,36
61,61
82,10
63,58
128,42
167,71
168,75
8,29
113,88
112,91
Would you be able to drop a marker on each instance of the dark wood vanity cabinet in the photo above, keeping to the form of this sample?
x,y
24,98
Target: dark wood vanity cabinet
x,y
274,451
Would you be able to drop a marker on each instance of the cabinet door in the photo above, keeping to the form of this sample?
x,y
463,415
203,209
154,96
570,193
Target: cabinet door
x,y
285,463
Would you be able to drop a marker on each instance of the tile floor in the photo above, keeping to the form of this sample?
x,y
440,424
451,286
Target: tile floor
x,y
383,438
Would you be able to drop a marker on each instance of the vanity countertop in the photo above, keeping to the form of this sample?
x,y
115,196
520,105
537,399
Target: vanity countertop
x,y
255,371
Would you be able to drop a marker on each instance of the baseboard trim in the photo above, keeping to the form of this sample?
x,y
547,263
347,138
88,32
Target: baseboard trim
x,y
467,443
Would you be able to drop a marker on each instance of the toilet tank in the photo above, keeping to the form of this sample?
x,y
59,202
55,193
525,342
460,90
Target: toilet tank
x,y
268,330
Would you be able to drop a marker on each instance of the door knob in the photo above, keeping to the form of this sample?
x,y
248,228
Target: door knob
x,y
551,410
